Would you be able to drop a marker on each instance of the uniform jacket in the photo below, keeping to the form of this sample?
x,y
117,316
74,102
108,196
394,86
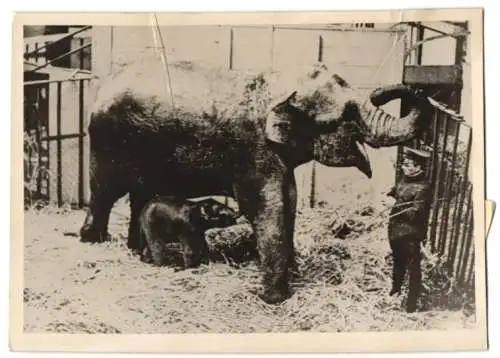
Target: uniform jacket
x,y
410,213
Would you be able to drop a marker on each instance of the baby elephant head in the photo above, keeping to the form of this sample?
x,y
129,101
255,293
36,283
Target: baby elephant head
x,y
215,214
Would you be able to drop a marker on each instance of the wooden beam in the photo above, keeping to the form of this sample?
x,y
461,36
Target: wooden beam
x,y
433,75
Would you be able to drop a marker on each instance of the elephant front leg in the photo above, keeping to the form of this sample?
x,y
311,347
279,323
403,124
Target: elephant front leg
x,y
271,227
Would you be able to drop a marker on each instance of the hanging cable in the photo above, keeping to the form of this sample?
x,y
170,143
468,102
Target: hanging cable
x,y
159,38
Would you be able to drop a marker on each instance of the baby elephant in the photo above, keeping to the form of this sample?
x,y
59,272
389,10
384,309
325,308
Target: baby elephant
x,y
165,220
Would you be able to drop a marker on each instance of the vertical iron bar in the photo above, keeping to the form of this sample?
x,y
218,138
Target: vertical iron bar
x,y
465,181
27,129
471,271
467,246
461,222
467,160
447,196
464,235
420,37
81,130
49,173
437,186
456,221
442,199
231,40
38,139
320,49
435,144
59,146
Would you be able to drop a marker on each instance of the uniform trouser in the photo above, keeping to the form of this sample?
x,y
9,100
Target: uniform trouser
x,y
407,256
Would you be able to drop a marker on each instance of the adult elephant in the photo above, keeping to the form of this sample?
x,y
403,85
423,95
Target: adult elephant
x,y
192,131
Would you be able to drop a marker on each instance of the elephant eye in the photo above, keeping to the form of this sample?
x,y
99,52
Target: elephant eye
x,y
284,126
279,109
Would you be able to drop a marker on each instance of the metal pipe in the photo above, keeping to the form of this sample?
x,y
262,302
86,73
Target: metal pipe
x,y
60,39
42,82
59,58
59,146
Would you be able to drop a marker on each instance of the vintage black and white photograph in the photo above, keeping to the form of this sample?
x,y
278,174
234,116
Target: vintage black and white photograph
x,y
251,177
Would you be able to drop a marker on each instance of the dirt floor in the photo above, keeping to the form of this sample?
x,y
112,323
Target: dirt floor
x,y
343,284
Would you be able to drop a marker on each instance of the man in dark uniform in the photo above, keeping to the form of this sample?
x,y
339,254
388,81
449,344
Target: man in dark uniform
x,y
408,223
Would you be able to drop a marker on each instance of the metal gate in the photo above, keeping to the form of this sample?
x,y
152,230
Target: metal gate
x,y
450,227
45,141
449,139
54,122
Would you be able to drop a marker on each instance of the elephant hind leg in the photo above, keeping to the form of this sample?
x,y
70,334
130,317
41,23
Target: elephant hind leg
x,y
106,189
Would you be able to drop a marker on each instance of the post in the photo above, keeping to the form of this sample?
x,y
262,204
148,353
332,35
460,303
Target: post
x,y
231,38
320,49
437,183
59,146
420,37
81,130
271,67
447,194
461,43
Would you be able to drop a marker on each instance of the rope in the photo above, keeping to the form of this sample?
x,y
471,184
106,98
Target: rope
x,y
389,53
159,37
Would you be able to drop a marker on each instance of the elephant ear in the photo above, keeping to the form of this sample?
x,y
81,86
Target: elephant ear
x,y
279,121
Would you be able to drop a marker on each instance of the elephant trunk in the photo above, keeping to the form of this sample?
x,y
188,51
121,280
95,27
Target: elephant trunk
x,y
380,129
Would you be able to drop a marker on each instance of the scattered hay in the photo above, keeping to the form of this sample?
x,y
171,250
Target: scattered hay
x,y
324,263
80,327
233,244
342,284
440,289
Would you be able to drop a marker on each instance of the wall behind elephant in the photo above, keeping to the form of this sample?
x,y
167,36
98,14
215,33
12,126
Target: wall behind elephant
x,y
365,58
